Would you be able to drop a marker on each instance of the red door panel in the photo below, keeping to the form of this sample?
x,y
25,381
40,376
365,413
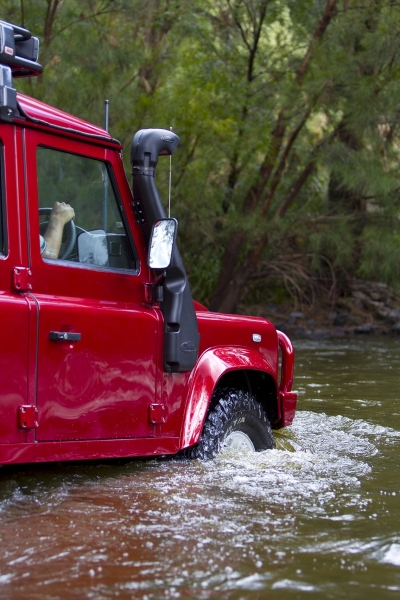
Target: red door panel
x,y
100,386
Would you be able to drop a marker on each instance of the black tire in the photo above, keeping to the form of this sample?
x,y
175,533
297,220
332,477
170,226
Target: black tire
x,y
233,411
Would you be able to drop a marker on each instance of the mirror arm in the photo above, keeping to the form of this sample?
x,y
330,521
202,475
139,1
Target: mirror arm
x,y
154,292
160,279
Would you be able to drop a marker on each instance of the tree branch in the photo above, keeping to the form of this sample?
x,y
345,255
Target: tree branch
x,y
239,26
282,163
256,190
257,28
104,11
296,187
52,6
327,16
22,13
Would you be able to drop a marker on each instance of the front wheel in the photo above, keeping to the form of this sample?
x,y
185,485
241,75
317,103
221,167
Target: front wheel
x,y
237,420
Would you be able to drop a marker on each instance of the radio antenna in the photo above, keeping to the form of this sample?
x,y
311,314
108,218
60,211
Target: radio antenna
x,y
106,106
105,175
170,182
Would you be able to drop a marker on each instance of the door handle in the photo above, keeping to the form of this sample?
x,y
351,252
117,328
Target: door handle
x,y
64,336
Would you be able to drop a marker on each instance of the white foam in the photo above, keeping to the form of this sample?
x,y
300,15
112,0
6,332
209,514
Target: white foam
x,y
392,555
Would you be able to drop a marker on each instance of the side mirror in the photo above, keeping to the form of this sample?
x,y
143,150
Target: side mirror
x,y
162,241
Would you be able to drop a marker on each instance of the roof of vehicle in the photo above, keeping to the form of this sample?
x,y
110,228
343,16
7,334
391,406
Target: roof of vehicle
x,y
44,114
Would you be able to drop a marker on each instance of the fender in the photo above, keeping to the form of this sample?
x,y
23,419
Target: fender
x,y
210,367
287,398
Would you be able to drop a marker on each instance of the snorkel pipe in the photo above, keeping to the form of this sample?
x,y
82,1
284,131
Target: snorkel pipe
x,y
147,146
181,337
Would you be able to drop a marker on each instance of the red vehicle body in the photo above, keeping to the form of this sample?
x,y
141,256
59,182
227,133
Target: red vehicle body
x,y
82,365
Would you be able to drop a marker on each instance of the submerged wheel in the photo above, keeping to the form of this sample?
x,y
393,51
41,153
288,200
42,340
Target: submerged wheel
x,y
236,420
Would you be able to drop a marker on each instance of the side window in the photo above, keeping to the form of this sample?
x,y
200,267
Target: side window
x,y
97,235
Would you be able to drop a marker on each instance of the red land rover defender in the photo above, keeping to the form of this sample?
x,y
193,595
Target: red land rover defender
x,y
103,352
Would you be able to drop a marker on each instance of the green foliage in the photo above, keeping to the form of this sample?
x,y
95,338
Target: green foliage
x,y
380,256
225,74
333,241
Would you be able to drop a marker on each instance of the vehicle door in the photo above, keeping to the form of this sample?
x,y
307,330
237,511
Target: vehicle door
x,y
17,354
97,342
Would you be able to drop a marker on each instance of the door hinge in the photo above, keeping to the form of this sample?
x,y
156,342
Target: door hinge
x,y
28,416
157,414
22,281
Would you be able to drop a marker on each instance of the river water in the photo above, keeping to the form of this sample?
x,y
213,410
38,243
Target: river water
x,y
317,517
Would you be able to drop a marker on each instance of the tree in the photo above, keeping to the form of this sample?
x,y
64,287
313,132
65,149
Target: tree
x,y
291,88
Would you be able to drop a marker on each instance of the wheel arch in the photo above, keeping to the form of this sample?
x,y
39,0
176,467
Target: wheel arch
x,y
227,367
259,383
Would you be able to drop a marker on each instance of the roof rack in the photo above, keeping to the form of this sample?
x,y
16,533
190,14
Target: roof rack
x,y
19,52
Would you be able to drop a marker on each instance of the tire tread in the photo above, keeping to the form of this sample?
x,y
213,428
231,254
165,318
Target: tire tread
x,y
226,404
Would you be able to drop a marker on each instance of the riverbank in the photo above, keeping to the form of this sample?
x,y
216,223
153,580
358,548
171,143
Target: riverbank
x,y
369,309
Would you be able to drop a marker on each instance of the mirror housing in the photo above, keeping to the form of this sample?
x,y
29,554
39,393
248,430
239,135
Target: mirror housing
x,y
162,240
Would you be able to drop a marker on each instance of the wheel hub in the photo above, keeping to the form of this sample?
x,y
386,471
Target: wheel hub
x,y
237,440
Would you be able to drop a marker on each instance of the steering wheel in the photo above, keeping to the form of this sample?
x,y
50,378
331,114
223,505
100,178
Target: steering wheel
x,y
69,234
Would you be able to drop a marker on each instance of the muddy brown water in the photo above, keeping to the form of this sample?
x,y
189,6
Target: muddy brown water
x,y
317,517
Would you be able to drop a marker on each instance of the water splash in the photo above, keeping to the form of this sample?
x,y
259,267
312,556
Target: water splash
x,y
287,520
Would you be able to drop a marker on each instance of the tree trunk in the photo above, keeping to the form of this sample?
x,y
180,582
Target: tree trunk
x,y
235,281
226,295
342,199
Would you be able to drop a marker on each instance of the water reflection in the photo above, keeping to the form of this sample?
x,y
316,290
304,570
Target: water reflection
x,y
318,515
